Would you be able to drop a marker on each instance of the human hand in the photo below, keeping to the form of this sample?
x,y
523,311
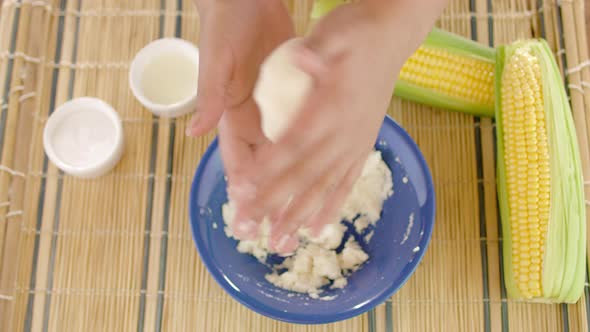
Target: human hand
x,y
235,38
354,55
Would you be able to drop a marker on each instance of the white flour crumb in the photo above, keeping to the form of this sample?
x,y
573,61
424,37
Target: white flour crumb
x,y
408,228
369,236
352,256
361,223
339,283
369,192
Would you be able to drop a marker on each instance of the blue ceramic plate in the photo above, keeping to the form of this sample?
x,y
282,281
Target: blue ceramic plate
x,y
398,245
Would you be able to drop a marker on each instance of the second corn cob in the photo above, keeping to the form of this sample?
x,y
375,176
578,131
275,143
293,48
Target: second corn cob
x,y
540,185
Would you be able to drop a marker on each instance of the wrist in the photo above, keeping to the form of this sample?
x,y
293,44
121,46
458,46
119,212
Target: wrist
x,y
416,11
416,17
202,5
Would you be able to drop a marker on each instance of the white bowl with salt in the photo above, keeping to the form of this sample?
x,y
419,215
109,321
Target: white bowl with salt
x,y
84,137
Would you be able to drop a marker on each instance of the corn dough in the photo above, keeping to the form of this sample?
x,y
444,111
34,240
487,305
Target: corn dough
x,y
317,263
280,90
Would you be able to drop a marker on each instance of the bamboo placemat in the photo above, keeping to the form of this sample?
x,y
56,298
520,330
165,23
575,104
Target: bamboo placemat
x,y
115,254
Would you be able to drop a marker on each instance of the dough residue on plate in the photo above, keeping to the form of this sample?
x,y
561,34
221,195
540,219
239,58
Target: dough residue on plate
x,y
323,260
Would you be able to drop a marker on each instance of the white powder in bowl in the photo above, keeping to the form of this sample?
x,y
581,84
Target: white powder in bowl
x,y
84,138
316,263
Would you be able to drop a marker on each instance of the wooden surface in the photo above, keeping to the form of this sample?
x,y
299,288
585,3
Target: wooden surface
x,y
115,254
587,9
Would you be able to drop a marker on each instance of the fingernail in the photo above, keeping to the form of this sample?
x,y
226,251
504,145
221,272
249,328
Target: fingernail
x,y
246,229
286,244
317,230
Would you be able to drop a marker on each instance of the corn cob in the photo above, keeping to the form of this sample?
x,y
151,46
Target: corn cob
x,y
447,71
540,186
450,72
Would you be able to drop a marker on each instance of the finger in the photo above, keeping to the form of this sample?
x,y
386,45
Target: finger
x,y
275,190
312,123
239,134
309,129
285,244
215,69
237,138
233,150
310,62
330,212
295,162
310,202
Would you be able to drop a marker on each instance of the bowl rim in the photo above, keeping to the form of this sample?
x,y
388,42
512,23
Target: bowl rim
x,y
290,317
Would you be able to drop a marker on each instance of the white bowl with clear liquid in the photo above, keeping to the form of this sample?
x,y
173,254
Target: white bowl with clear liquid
x,y
164,77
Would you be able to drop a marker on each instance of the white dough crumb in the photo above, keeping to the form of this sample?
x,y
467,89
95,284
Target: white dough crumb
x,y
370,190
302,283
369,236
323,298
408,228
340,283
361,223
214,225
329,238
352,256
316,263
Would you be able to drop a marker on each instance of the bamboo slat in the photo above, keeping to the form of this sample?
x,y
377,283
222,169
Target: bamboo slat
x,y
116,253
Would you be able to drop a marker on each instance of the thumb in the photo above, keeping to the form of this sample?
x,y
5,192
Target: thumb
x,y
215,70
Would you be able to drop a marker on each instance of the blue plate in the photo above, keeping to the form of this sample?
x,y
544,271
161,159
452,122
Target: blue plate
x,y
398,245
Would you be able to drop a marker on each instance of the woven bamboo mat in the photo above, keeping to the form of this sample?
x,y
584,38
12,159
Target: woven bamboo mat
x,y
115,254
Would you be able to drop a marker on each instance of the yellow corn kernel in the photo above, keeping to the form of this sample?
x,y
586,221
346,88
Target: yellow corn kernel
x,y
454,75
525,141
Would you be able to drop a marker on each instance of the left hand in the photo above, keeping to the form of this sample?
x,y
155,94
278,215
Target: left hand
x,y
354,56
235,38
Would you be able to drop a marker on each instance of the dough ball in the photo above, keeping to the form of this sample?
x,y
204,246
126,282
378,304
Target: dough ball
x,y
280,90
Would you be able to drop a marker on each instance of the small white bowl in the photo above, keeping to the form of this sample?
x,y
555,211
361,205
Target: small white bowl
x,y
84,137
144,58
